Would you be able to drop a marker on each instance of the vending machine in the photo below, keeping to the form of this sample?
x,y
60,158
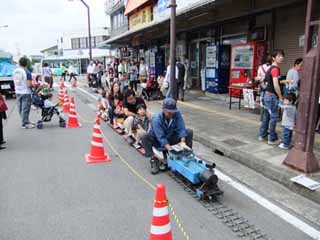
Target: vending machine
x,y
245,59
217,68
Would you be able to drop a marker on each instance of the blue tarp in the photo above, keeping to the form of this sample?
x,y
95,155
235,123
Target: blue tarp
x,y
6,69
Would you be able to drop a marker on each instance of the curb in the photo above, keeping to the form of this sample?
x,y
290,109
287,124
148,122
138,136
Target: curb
x,y
280,175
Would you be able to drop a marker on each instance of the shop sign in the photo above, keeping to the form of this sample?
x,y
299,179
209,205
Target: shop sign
x,y
161,11
211,56
140,18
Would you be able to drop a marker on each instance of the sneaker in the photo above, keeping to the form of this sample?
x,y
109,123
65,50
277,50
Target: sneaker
x,y
154,165
262,138
272,142
28,126
163,167
284,147
136,145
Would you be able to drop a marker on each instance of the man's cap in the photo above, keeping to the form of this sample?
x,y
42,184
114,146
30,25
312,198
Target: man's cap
x,y
169,105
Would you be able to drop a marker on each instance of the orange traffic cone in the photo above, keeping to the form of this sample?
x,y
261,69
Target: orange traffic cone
x,y
61,84
74,83
160,227
66,105
61,96
73,119
97,154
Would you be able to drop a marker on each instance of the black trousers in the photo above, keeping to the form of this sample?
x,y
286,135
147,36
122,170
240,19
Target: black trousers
x,y
72,75
180,90
149,141
2,116
63,76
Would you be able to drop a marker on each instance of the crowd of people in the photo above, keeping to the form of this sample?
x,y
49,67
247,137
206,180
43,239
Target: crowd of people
x,y
120,103
131,73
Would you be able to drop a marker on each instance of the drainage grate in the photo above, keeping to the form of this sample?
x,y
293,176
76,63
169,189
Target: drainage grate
x,y
234,142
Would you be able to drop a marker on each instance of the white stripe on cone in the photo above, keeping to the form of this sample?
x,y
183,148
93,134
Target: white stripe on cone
x,y
160,230
97,135
96,144
96,126
72,116
160,212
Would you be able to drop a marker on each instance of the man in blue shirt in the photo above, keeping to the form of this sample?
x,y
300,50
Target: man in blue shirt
x,y
167,129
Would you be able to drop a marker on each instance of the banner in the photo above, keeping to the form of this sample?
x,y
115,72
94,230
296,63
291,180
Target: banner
x,y
248,98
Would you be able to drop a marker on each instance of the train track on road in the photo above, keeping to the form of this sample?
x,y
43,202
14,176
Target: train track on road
x,y
228,216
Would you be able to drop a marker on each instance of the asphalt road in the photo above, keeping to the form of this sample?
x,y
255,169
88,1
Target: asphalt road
x,y
47,191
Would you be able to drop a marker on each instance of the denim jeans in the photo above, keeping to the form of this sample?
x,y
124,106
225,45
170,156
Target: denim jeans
x,y
24,106
286,136
270,117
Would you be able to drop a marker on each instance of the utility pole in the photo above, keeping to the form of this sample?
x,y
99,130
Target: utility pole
x,y
173,81
302,157
89,27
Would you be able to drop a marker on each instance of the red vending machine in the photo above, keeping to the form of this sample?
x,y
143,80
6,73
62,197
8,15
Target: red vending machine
x,y
245,59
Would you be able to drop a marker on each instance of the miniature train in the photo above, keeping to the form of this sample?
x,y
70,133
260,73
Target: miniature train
x,y
194,171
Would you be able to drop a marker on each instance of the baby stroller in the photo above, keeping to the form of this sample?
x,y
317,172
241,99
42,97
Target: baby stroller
x,y
151,90
47,114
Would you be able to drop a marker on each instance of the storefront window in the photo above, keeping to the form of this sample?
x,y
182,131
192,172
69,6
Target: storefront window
x,y
83,43
115,22
75,43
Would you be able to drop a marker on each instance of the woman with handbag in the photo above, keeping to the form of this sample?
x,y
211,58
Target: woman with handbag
x,y
3,115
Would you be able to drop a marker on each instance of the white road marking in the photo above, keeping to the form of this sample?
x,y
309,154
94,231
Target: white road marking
x,y
289,218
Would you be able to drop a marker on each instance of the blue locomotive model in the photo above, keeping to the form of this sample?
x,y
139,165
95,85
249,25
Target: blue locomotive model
x,y
200,174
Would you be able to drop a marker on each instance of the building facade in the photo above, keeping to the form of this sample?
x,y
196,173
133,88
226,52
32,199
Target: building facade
x,y
119,22
73,48
200,24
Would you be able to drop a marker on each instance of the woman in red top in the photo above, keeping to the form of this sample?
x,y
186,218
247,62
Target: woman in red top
x,y
271,100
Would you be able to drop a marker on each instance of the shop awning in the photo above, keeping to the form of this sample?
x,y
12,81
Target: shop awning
x,y
134,4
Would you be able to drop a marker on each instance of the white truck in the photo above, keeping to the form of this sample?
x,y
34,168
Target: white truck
x,y
7,86
6,69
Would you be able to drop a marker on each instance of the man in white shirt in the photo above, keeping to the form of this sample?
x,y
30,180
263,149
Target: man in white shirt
x,y
72,73
91,67
90,70
167,79
22,82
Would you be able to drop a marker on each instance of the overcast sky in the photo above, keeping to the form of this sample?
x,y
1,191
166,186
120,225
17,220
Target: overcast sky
x,y
36,24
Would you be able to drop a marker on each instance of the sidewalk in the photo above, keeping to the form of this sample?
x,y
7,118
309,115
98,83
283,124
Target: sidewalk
x,y
234,134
